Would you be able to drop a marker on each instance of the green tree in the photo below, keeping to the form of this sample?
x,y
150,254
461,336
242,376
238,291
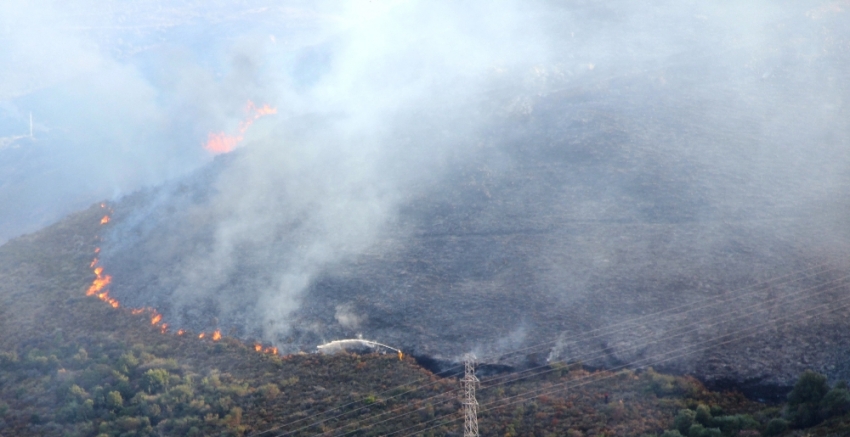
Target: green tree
x,y
810,388
114,400
155,380
804,401
683,421
775,427
835,403
703,415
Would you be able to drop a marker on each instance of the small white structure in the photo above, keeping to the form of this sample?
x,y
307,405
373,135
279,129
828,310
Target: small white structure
x,y
356,345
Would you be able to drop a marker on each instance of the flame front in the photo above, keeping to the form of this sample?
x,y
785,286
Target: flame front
x,y
223,143
100,281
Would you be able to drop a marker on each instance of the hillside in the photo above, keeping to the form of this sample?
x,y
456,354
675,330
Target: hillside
x,y
71,364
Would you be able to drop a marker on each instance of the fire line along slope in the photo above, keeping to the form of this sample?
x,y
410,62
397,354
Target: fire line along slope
x,y
605,203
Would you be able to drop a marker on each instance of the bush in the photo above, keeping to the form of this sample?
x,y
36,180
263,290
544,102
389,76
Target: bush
x,y
671,433
835,403
775,427
804,401
810,388
683,421
114,400
703,415
155,380
729,425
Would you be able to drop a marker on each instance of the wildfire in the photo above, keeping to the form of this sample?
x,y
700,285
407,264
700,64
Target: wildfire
x,y
224,143
268,350
100,281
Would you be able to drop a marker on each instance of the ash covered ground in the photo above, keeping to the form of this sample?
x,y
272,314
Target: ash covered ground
x,y
579,210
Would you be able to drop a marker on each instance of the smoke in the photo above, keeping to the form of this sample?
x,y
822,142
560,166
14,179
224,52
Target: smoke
x,y
346,317
121,95
602,125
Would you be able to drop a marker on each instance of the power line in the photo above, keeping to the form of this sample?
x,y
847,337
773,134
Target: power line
x,y
687,331
522,397
725,335
540,373
761,286
339,408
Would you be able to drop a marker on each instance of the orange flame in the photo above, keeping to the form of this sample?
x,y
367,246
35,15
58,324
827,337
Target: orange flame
x,y
96,250
156,318
271,350
180,332
104,220
202,335
223,143
99,283
137,311
216,335
93,263
163,328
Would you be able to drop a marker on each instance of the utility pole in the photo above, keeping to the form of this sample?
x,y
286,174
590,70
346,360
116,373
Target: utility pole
x,y
470,405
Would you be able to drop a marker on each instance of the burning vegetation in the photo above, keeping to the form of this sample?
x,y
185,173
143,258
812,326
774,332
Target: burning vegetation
x,y
223,143
98,287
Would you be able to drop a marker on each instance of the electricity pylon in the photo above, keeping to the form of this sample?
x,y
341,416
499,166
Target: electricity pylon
x,y
470,404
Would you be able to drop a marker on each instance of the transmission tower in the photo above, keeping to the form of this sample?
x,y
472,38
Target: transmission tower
x,y
470,405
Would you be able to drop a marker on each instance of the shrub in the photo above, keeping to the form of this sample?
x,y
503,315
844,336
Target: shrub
x,y
269,391
8,360
671,433
775,427
835,403
696,430
731,424
155,380
703,415
683,421
804,401
810,388
114,400
77,393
